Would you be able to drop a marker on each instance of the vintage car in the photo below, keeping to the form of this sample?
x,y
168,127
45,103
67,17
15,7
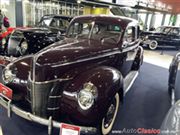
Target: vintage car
x,y
80,80
25,41
171,123
164,36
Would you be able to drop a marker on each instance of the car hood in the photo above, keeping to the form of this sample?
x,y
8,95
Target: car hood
x,y
73,50
34,30
60,56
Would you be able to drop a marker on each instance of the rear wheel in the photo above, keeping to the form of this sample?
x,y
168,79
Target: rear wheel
x,y
108,120
153,45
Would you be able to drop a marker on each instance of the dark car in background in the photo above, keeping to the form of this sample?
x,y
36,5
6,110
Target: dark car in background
x,y
164,36
25,41
80,80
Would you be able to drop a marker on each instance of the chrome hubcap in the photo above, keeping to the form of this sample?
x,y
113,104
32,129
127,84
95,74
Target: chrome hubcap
x,y
109,116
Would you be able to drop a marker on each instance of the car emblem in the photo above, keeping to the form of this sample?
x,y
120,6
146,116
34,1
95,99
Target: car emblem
x,y
4,92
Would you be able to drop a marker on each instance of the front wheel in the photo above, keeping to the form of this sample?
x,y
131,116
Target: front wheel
x,y
153,45
108,120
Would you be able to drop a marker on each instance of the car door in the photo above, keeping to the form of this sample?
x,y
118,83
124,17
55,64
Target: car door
x,y
129,48
174,36
164,37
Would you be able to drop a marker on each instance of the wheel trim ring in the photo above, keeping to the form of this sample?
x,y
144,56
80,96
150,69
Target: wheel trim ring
x,y
108,119
108,129
153,45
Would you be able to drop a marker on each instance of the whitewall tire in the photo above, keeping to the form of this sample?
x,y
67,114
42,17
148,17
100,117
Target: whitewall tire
x,y
153,45
106,126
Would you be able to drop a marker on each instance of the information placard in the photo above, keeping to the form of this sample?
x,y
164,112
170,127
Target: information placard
x,y
67,129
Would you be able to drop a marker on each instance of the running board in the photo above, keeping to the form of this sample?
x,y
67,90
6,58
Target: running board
x,y
129,80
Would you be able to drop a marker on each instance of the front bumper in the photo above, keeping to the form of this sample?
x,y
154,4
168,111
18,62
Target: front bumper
x,y
6,103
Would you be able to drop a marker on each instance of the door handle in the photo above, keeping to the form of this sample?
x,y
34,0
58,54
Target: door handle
x,y
124,45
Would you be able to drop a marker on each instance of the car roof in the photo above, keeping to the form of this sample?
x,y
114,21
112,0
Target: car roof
x,y
121,20
56,16
169,26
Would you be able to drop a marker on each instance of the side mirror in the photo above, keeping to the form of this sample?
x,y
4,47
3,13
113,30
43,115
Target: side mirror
x,y
59,34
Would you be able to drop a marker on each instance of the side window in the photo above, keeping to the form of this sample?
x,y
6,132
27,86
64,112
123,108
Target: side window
x,y
54,23
130,34
59,23
166,30
138,32
106,32
174,31
80,30
73,31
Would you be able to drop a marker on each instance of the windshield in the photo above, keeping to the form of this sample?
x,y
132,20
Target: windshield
x,y
163,29
59,23
54,22
45,22
95,30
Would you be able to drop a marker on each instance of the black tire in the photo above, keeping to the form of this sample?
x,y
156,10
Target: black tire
x,y
108,120
153,45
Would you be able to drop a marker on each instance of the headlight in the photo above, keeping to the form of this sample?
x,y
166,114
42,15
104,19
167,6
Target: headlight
x,y
3,41
85,99
146,37
24,47
87,96
8,76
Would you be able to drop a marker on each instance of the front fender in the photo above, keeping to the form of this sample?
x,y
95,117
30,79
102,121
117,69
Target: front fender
x,y
108,82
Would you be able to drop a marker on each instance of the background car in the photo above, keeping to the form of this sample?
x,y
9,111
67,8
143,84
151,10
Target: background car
x,y
25,41
80,80
164,36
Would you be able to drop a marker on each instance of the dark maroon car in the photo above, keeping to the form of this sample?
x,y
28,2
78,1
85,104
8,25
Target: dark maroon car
x,y
80,80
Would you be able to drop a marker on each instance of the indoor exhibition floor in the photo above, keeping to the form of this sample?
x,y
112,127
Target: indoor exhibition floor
x,y
145,105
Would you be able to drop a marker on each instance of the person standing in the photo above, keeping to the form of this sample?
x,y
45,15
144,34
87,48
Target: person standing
x,y
1,19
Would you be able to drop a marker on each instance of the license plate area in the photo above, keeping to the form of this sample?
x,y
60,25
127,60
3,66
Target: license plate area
x,y
5,92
